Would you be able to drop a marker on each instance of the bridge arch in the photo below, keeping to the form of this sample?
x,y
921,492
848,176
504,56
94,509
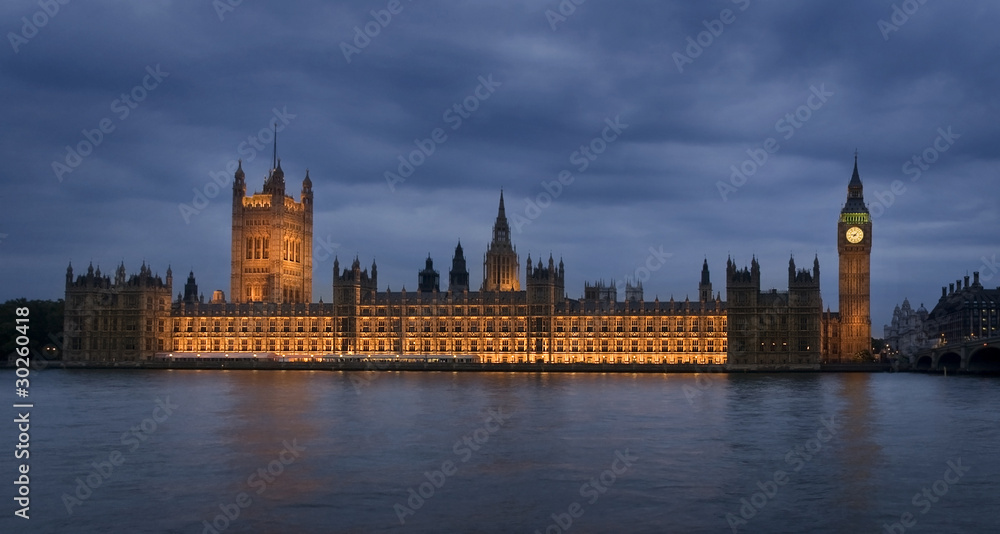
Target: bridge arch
x,y
923,363
985,360
951,361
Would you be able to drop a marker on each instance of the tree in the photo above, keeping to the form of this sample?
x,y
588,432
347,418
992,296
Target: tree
x,y
45,324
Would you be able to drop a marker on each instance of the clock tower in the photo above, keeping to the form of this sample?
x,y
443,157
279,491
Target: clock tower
x,y
854,246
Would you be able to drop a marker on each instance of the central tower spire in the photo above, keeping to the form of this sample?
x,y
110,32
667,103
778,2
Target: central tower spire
x,y
501,265
501,228
274,152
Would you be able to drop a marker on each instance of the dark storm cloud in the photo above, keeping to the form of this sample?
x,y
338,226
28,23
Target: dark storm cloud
x,y
656,185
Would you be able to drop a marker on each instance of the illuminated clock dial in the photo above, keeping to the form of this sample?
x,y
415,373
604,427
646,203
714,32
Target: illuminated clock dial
x,y
855,234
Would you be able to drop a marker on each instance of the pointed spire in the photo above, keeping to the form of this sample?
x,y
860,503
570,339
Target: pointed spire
x,y
855,177
855,192
501,228
274,154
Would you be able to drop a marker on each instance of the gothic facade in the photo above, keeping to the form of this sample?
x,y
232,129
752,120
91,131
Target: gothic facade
x,y
269,310
850,338
271,241
907,333
501,265
125,318
773,327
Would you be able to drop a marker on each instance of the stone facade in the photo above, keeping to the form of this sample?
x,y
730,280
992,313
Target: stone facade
x,y
271,241
854,248
772,327
907,334
270,310
116,319
965,312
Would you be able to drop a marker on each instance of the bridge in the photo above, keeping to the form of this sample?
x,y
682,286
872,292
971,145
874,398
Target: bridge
x,y
973,355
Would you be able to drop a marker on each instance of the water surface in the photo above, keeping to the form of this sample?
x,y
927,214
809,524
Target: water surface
x,y
340,452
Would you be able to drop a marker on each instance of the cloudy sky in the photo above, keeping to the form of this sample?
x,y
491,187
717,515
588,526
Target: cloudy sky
x,y
506,94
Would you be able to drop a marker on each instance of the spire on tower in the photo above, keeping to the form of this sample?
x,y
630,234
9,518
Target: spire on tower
x,y
855,192
500,264
501,228
855,177
274,154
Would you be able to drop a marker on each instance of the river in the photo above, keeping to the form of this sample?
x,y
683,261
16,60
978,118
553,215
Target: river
x,y
292,451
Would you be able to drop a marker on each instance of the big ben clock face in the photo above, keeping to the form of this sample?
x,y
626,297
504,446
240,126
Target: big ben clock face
x,y
855,234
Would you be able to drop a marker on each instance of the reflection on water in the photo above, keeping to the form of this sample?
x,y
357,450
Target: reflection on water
x,y
425,452
857,485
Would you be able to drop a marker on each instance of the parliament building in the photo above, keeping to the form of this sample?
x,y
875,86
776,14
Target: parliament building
x,y
269,312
